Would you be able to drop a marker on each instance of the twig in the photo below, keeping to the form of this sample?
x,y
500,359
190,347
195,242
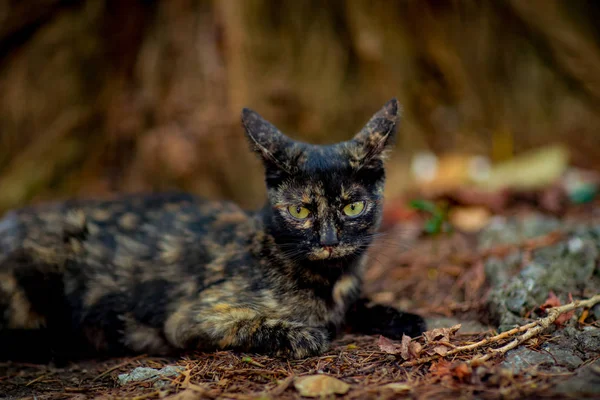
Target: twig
x,y
531,329
39,378
541,325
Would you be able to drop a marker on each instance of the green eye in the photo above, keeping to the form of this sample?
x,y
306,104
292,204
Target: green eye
x,y
299,212
354,209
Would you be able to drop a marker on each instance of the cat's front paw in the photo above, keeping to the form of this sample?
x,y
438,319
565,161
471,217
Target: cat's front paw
x,y
386,321
302,342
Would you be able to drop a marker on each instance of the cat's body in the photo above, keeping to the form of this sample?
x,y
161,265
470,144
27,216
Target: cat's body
x,y
157,274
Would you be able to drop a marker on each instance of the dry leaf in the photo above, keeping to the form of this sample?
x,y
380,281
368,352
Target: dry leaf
x,y
470,219
415,349
560,321
440,349
408,349
187,394
441,334
563,318
551,301
447,370
398,387
462,372
554,301
583,316
320,386
440,368
387,346
404,347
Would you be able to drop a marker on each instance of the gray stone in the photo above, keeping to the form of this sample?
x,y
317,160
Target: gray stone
x,y
585,382
588,340
563,356
566,267
522,359
551,357
144,374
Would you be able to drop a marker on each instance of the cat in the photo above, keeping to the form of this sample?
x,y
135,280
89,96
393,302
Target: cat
x,y
163,273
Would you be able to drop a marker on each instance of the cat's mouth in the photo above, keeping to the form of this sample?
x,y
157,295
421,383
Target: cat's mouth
x,y
330,252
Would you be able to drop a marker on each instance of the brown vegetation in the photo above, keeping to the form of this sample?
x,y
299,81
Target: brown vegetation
x,y
145,95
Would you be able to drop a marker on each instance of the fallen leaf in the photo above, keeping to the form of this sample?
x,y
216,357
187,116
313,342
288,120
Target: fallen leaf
x,y
223,382
470,219
187,394
398,387
583,316
462,372
415,349
447,370
441,368
560,321
551,301
441,334
387,346
408,348
563,318
320,386
404,347
554,301
441,350
529,171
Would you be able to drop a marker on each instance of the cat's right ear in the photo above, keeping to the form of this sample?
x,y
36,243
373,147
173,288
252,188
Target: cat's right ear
x,y
266,139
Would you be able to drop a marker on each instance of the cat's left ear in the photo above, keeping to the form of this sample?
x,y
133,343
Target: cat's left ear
x,y
378,136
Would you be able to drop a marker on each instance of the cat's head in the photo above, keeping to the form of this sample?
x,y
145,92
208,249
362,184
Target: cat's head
x,y
326,201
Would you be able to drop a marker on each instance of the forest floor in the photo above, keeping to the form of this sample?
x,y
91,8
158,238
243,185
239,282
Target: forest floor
x,y
484,281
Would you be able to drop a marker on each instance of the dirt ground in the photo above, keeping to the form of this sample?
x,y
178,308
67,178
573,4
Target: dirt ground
x,y
442,278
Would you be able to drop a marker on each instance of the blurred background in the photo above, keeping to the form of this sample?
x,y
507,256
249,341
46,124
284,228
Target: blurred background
x,y
98,97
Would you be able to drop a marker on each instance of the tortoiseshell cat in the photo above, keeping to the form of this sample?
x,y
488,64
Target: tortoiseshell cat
x,y
158,274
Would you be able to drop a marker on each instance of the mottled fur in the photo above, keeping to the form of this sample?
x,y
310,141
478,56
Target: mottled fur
x,y
160,273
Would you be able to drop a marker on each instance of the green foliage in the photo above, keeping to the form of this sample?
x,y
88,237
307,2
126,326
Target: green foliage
x,y
438,222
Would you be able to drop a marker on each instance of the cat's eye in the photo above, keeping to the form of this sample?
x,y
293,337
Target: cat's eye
x,y
354,209
299,212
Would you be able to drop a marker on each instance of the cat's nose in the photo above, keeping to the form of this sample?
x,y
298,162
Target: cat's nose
x,y
329,237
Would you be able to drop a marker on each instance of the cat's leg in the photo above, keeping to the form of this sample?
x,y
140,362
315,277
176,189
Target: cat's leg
x,y
383,320
31,307
242,329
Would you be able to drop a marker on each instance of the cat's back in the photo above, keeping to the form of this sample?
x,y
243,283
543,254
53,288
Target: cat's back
x,y
111,265
137,232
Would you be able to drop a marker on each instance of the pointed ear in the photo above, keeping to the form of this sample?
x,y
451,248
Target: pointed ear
x,y
378,136
266,140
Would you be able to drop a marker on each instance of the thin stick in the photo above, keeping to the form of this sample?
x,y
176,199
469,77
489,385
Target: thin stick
x,y
531,329
542,325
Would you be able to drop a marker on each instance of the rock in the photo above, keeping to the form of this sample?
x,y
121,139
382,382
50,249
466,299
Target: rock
x,y
143,374
585,382
522,358
551,357
566,267
588,340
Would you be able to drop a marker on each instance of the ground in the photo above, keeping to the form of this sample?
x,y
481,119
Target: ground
x,y
490,282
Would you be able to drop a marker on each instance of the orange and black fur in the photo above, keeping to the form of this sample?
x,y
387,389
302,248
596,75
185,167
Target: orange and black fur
x,y
163,273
